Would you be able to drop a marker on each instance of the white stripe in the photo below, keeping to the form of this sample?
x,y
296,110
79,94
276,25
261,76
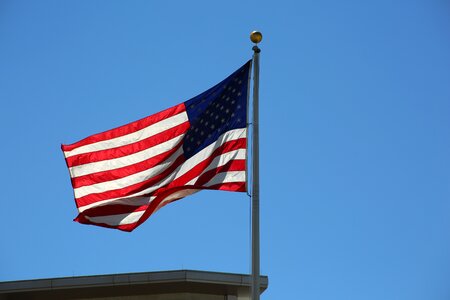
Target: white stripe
x,y
124,161
176,195
227,177
131,137
220,161
116,220
147,174
133,201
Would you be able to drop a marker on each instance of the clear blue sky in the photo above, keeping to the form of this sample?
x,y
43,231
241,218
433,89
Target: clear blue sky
x,y
355,143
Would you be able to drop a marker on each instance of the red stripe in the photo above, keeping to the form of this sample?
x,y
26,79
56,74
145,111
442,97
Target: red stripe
x,y
112,209
125,150
195,171
109,175
128,128
229,186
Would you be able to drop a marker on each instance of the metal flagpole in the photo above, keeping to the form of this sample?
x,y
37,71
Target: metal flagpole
x,y
255,37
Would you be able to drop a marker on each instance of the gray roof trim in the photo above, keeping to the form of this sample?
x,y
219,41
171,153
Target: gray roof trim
x,y
174,278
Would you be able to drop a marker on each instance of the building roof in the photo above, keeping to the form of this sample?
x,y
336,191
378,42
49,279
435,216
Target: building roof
x,y
132,284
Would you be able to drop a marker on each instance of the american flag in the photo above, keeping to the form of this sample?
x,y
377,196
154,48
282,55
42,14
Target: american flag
x,y
120,177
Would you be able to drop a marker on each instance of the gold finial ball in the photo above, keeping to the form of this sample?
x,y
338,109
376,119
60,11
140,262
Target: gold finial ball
x,y
256,37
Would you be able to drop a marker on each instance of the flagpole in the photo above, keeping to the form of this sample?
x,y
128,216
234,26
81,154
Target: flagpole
x,y
255,37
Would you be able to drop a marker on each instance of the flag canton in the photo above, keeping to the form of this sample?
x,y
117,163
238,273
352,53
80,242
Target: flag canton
x,y
216,111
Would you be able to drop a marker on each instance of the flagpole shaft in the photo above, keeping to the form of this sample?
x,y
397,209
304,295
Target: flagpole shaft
x,y
255,175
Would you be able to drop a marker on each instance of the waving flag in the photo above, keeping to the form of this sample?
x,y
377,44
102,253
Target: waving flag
x,y
122,176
